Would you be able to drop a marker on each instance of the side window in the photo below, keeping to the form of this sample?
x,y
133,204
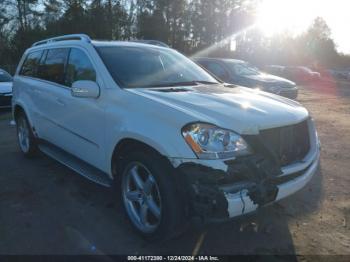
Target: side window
x,y
238,69
217,70
53,67
79,67
30,65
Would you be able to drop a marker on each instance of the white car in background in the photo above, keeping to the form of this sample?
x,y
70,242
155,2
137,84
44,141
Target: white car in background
x,y
5,89
175,142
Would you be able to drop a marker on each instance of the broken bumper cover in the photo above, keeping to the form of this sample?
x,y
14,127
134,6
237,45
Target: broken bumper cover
x,y
221,189
240,203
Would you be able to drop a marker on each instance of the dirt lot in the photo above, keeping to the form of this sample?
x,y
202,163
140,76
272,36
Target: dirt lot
x,y
45,208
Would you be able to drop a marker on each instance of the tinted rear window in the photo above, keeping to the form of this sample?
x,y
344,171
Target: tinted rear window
x,y
30,65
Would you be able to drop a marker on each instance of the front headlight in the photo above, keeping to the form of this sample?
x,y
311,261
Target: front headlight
x,y
211,142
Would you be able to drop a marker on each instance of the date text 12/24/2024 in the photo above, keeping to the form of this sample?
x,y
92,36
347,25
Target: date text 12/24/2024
x,y
173,258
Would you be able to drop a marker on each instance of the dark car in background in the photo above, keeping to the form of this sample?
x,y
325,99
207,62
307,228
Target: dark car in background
x,y
276,70
301,74
241,73
5,89
340,74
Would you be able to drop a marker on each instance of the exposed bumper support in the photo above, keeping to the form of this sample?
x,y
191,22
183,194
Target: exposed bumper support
x,y
240,203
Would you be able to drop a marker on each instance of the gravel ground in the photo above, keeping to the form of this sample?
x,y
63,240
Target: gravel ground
x,y
45,208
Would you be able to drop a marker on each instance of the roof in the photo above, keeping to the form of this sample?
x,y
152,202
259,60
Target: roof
x,y
79,37
125,44
85,39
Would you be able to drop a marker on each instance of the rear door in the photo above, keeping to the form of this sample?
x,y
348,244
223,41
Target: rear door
x,y
27,85
47,91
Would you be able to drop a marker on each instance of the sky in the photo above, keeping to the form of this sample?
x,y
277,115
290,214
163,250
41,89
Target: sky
x,y
296,16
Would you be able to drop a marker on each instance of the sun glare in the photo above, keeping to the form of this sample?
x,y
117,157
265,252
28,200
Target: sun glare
x,y
294,17
276,16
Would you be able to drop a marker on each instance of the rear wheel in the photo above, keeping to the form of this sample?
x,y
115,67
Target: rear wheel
x,y
26,139
150,195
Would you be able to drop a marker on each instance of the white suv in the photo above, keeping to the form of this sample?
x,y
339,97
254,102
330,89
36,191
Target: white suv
x,y
148,120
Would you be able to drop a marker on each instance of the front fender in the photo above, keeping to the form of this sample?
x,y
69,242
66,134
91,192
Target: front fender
x,y
170,147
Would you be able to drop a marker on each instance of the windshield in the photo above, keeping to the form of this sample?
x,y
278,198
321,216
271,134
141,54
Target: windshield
x,y
242,69
5,77
151,67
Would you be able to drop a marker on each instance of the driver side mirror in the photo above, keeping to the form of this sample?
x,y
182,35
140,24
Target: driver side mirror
x,y
85,89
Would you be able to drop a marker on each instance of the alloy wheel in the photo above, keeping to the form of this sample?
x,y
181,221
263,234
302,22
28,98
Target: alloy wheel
x,y
141,197
23,134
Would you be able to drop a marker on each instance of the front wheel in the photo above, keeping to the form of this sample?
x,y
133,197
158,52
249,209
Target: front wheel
x,y
150,196
26,139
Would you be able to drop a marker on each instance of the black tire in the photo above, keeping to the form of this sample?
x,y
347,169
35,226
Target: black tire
x,y
172,222
31,148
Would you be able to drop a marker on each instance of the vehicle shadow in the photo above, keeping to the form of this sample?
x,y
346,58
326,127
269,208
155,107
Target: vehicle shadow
x,y
266,232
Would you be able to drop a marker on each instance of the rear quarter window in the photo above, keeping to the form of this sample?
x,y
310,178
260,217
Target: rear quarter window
x,y
31,63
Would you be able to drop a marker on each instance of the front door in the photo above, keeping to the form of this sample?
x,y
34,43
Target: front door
x,y
78,122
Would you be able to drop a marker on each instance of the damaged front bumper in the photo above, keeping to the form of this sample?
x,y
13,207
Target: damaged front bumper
x,y
241,203
222,189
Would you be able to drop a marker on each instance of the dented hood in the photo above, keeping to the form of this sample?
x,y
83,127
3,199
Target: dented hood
x,y
240,109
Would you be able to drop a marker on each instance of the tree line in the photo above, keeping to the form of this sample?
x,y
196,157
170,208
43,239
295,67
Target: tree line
x,y
224,28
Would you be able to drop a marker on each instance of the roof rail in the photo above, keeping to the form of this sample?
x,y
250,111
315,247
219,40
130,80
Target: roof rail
x,y
81,37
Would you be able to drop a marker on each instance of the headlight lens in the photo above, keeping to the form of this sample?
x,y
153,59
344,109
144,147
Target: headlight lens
x,y
211,142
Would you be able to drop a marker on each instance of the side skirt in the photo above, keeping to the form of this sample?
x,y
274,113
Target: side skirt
x,y
81,167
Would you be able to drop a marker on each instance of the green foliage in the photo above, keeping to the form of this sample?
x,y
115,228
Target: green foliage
x,y
314,47
190,26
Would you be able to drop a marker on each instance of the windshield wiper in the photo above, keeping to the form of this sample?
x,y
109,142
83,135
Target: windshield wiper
x,y
185,83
